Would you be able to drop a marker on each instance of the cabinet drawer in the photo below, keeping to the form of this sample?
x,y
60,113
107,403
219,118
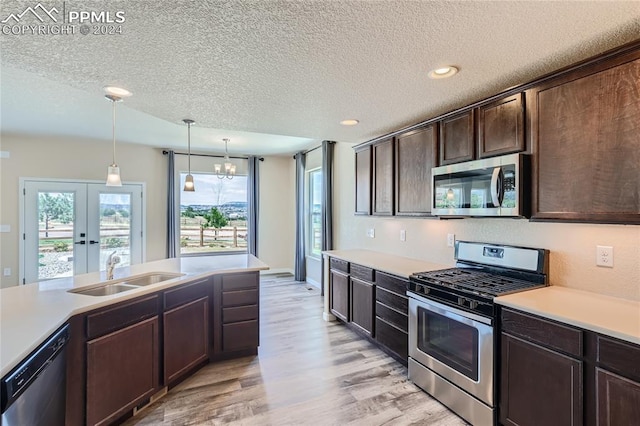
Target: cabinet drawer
x,y
240,335
392,316
548,333
241,297
392,300
240,281
362,272
239,313
620,357
392,283
339,265
121,316
393,338
186,293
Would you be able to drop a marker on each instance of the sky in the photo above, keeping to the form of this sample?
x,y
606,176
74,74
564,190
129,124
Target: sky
x,y
208,186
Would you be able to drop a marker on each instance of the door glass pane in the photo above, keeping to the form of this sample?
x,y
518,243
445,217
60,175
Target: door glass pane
x,y
55,234
449,341
115,228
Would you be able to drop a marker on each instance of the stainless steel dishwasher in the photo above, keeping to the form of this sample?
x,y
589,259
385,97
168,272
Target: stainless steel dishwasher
x,y
34,393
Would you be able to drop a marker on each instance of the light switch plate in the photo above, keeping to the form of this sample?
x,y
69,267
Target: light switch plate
x,y
371,233
7,272
403,235
451,240
604,256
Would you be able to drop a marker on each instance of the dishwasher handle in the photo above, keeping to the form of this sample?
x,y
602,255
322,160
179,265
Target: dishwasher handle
x,y
16,382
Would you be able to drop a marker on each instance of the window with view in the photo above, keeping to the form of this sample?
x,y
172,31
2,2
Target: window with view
x,y
213,218
315,213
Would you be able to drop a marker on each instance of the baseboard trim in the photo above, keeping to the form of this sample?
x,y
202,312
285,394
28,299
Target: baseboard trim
x,y
314,283
276,271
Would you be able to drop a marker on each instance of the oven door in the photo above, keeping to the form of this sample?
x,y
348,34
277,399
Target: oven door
x,y
456,345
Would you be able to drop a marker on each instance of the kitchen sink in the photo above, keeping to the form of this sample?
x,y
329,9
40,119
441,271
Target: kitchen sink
x,y
125,284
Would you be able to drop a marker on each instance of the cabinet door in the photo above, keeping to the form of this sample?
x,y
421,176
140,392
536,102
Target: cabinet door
x,y
618,399
339,295
122,371
383,186
186,338
362,305
395,340
586,130
363,181
457,138
539,386
416,155
501,127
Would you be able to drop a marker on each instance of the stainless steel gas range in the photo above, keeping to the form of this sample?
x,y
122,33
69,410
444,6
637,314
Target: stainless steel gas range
x,y
452,319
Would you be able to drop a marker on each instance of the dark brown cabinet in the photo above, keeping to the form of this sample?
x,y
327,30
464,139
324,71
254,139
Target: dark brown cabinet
x,y
586,134
383,178
392,315
239,328
578,376
186,329
415,155
339,294
457,138
501,127
122,370
362,298
363,180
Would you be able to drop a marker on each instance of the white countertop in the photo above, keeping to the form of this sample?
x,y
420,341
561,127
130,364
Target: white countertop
x,y
591,311
395,265
30,313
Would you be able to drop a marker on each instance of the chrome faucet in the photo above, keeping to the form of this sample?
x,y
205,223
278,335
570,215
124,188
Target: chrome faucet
x,y
112,260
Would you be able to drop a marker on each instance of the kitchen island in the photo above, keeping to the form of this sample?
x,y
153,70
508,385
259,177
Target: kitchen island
x,y
135,336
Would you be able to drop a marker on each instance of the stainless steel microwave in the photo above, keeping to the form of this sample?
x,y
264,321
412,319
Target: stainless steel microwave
x,y
489,187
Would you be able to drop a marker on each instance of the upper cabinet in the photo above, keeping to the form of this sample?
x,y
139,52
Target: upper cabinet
x,y
501,127
416,154
586,134
457,138
363,180
383,187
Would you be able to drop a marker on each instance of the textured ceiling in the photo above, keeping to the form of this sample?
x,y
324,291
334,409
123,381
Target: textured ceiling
x,y
278,76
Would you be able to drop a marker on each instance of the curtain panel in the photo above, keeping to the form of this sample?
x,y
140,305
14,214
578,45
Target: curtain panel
x,y
253,197
300,272
172,218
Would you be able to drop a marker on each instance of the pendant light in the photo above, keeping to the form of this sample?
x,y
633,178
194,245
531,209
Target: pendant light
x,y
229,168
113,171
188,181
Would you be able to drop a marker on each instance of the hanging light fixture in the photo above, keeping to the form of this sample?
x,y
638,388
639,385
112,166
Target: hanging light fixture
x,y
229,168
113,171
188,181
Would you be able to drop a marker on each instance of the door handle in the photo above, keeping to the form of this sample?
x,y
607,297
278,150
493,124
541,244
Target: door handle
x,y
81,242
94,242
496,187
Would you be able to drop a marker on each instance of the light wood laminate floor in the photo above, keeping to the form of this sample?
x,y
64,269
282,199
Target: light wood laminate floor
x,y
308,372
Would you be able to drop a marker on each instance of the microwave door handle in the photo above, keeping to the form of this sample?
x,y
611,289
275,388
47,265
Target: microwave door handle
x,y
496,186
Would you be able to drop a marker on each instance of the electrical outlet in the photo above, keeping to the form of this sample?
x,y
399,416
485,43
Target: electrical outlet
x,y
451,240
7,272
371,233
604,256
403,235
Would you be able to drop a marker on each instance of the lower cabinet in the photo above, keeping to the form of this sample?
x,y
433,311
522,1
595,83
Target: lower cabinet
x,y
238,327
556,374
362,300
392,315
339,294
122,370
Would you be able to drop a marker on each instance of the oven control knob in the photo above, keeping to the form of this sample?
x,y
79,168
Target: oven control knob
x,y
473,304
461,301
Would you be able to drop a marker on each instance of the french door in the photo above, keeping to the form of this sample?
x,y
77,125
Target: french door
x,y
70,228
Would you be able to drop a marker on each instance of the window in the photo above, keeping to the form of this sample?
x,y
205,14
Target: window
x,y
314,236
213,218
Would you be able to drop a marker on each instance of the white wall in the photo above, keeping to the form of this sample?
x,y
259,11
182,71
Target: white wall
x,y
68,158
572,246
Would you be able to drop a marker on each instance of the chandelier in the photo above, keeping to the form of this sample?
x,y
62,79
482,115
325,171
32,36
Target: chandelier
x,y
229,169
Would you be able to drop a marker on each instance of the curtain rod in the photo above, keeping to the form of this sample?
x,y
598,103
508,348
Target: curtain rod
x,y
165,152
313,149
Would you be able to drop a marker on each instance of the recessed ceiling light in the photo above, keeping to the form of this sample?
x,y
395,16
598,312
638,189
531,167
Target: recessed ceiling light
x,y
118,91
443,72
350,122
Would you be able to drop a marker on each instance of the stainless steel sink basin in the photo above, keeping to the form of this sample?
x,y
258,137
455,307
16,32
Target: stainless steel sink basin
x,y
125,284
